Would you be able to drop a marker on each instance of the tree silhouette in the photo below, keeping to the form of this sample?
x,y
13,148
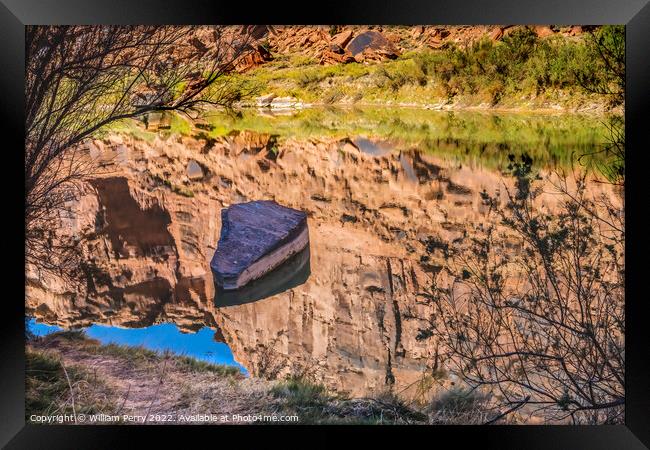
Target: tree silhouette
x,y
544,326
82,78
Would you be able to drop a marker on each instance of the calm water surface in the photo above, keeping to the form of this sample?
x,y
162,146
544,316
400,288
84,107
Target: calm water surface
x,y
386,191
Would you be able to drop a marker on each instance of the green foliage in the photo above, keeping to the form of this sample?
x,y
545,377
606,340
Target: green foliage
x,y
606,73
70,335
333,95
612,165
300,60
468,137
315,405
44,382
183,191
309,77
137,354
195,365
521,70
396,76
179,125
521,64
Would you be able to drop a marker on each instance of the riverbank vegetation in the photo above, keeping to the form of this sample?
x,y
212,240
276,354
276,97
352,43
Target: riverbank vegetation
x,y
542,329
539,333
53,388
79,79
523,71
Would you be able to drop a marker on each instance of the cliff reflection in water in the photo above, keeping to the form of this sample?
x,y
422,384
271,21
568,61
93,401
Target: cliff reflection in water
x,y
351,309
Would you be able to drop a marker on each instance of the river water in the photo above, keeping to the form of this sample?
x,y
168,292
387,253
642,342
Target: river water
x,y
387,192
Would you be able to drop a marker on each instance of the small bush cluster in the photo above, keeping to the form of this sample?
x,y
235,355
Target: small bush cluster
x,y
521,63
460,406
520,68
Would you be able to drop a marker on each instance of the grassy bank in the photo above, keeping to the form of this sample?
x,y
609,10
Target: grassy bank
x,y
50,388
523,71
68,373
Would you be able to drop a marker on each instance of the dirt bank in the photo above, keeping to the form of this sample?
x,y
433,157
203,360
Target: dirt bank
x,y
68,373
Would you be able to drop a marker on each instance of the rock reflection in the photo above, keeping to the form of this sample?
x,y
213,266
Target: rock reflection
x,y
294,272
373,147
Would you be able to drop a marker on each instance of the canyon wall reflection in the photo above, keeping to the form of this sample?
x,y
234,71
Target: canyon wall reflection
x,y
351,308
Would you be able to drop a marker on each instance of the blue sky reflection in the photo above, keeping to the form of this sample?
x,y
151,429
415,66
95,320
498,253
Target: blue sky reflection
x,y
165,336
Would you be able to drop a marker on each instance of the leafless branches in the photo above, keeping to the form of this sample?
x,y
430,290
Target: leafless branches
x,y
546,324
82,78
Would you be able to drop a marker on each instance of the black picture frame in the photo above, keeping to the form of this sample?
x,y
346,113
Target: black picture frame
x,y
635,14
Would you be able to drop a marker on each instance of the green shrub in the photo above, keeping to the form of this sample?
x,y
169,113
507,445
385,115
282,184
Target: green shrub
x,y
311,76
71,335
520,63
195,365
400,74
520,67
301,60
333,95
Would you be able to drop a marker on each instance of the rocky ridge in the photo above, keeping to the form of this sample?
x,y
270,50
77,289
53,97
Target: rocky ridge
x,y
338,44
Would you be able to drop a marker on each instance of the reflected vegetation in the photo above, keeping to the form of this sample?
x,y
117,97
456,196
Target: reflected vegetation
x,y
484,138
162,337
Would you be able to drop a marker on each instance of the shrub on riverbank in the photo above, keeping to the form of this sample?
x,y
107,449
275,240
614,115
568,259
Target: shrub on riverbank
x,y
522,64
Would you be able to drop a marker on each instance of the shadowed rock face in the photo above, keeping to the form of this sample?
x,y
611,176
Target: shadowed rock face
x,y
129,225
256,237
379,229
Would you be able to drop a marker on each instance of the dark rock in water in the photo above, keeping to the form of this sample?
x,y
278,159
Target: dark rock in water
x,y
292,273
256,237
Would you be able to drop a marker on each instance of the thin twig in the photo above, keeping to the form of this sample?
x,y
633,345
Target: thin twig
x,y
513,409
155,395
74,411
124,402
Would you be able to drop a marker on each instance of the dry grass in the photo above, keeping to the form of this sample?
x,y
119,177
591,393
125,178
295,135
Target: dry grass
x,y
139,380
52,388
117,380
